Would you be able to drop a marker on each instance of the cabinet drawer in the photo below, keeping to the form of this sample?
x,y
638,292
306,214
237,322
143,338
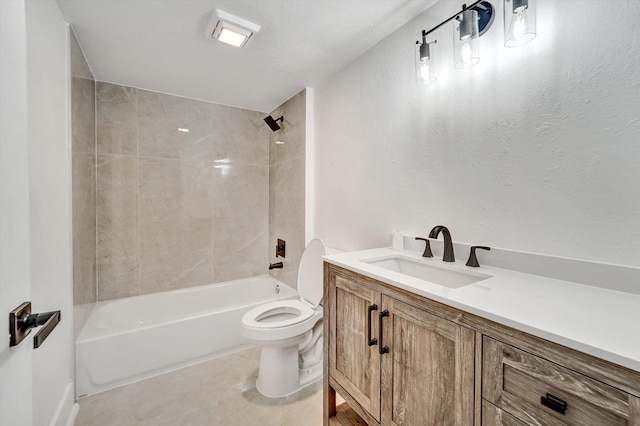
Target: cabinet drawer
x,y
493,416
535,390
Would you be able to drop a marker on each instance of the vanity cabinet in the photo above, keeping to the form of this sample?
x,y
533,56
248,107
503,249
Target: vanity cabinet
x,y
401,364
402,359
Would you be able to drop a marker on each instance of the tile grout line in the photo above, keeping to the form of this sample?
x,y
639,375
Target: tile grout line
x,y
139,274
95,182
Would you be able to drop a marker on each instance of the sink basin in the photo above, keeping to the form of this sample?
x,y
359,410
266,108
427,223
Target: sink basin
x,y
434,274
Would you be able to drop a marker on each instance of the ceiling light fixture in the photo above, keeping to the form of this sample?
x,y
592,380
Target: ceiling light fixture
x,y
230,29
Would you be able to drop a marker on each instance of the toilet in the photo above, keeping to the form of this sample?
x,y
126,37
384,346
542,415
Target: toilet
x,y
290,331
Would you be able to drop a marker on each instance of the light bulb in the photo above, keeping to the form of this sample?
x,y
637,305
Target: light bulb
x,y
465,54
424,72
519,28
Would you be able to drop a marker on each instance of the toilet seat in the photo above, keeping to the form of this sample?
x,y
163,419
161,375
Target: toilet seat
x,y
277,332
296,312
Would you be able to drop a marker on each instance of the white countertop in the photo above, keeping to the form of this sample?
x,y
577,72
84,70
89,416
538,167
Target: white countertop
x,y
597,321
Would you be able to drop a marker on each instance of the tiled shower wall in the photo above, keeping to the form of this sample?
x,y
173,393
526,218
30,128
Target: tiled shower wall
x,y
177,209
83,153
287,186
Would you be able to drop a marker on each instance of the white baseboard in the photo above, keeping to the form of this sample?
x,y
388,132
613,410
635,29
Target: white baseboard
x,y
67,409
74,413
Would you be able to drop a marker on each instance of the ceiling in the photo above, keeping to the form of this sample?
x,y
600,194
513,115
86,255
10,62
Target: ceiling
x,y
160,45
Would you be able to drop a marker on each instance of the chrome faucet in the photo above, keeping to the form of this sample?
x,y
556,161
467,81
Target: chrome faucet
x,y
448,243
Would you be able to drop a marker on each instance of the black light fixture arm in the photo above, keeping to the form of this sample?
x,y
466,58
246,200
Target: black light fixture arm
x,y
464,7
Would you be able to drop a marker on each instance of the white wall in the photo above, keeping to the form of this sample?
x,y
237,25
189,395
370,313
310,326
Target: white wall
x,y
50,206
536,148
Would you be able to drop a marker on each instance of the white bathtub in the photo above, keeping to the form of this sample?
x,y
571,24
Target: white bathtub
x,y
125,340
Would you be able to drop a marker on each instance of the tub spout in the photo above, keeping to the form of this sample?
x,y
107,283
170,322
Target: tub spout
x,y
277,265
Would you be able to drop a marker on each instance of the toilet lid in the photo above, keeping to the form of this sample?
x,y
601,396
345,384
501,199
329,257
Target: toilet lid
x,y
311,272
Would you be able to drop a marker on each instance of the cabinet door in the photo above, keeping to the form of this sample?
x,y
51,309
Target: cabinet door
x,y
354,363
428,373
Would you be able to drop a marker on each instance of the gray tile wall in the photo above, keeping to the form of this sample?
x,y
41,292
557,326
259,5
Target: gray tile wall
x,y
287,186
178,209
83,182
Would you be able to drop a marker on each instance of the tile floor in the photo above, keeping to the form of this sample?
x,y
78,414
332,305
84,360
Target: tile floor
x,y
217,392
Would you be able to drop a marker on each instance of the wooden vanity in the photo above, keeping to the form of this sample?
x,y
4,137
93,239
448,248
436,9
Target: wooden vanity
x,y
398,358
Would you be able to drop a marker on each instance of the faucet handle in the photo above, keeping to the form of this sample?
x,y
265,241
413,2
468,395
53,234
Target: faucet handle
x,y
427,247
473,260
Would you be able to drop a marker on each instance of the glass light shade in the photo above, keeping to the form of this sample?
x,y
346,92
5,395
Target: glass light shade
x,y
519,22
466,45
424,63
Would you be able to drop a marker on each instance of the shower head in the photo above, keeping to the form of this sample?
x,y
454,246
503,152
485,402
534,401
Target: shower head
x,y
273,124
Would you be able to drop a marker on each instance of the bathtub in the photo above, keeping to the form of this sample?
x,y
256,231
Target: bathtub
x,y
125,340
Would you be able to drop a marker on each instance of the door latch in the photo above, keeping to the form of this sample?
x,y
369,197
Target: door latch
x,y
21,321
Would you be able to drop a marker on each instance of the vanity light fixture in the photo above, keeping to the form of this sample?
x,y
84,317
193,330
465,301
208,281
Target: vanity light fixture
x,y
519,22
425,62
230,29
469,24
466,46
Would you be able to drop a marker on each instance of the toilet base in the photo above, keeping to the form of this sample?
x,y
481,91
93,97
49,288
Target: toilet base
x,y
271,385
279,374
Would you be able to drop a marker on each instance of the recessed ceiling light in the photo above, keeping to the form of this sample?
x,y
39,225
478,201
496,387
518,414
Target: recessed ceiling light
x,y
232,36
230,29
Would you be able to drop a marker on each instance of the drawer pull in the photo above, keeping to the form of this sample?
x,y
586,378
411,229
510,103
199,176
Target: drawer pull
x,y
370,341
555,403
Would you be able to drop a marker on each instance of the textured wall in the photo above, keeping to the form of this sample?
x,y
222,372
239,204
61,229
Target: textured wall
x,y
83,154
287,187
177,209
535,149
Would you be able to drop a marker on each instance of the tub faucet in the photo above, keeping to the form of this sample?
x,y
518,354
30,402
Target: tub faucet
x,y
448,244
277,265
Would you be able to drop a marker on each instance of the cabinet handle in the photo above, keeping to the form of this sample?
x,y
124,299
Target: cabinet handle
x,y
370,341
383,349
555,403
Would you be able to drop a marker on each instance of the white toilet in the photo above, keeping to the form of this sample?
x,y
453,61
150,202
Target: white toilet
x,y
290,331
